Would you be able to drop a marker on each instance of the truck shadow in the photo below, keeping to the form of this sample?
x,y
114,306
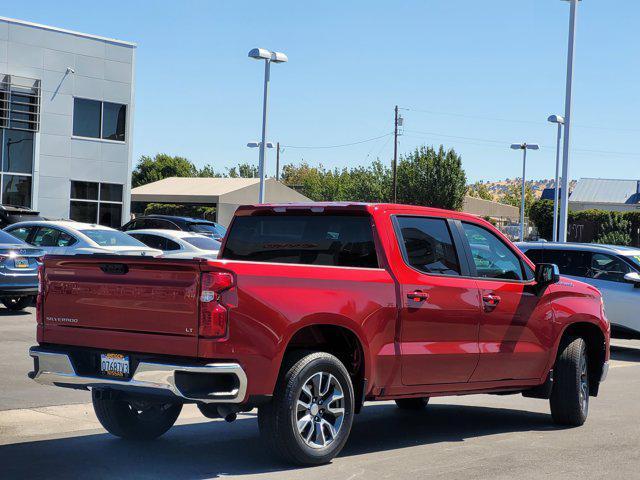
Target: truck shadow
x,y
213,449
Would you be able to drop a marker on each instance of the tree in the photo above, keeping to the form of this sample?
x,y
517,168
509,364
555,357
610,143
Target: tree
x,y
432,178
513,196
244,170
480,190
541,214
616,230
161,166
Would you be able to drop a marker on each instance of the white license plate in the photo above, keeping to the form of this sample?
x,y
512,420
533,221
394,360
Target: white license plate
x,y
114,365
21,263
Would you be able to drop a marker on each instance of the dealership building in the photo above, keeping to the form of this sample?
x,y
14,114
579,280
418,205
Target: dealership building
x,y
66,112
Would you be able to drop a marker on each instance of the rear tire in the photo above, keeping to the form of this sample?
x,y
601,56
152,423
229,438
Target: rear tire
x,y
17,303
570,393
415,404
135,420
309,418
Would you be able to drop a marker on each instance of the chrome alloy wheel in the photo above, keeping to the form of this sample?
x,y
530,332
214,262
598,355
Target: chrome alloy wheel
x,y
584,385
320,409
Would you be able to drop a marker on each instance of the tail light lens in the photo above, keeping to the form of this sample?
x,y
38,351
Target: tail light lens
x,y
39,297
213,314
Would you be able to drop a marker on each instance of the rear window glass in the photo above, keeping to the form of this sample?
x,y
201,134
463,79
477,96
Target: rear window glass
x,y
112,238
335,240
203,243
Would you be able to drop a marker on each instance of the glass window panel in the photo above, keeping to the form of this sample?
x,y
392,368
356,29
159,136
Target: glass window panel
x,y
110,215
114,118
86,212
18,151
111,192
84,190
569,262
21,232
428,245
16,190
86,117
492,257
606,267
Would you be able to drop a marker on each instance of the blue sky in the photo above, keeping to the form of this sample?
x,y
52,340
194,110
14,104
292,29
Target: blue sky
x,y
475,76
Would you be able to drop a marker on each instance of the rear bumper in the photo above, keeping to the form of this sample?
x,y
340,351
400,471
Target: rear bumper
x,y
18,290
193,383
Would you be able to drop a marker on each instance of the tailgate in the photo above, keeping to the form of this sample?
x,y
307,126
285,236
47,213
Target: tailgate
x,y
119,297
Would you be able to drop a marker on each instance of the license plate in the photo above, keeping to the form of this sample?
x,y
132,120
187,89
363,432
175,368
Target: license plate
x,y
21,263
114,365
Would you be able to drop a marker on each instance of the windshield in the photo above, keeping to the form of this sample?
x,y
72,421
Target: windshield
x,y
112,238
203,243
635,259
208,228
6,238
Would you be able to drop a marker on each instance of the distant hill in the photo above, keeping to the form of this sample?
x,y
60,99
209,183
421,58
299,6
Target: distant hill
x,y
500,187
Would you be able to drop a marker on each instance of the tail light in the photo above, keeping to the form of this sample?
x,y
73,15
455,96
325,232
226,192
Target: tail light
x,y
39,297
213,314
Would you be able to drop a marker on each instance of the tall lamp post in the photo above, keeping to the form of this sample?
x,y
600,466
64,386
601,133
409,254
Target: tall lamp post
x,y
556,188
564,189
268,57
524,147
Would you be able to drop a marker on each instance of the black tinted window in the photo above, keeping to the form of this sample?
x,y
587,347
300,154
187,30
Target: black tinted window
x,y
345,241
491,256
86,117
113,121
428,245
535,255
18,151
570,262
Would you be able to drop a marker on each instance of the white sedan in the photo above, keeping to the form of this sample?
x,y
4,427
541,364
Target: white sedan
x,y
74,238
178,243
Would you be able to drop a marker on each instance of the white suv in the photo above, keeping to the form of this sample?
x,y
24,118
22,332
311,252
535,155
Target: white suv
x,y
615,271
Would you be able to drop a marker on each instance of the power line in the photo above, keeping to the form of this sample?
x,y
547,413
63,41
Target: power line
x,y
339,146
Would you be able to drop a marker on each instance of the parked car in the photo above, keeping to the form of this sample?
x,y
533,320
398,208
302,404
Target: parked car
x,y
10,214
168,222
73,238
19,264
312,309
614,270
178,244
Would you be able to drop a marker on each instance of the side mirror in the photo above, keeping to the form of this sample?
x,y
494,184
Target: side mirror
x,y
547,274
633,277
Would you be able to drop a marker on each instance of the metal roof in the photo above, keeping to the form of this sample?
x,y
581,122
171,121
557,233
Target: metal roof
x,y
603,190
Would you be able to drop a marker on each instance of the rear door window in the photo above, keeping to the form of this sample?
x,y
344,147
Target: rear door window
x,y
427,245
334,240
52,237
535,255
569,262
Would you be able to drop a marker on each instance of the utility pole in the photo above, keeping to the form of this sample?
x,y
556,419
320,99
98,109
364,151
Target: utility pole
x,y
395,157
277,161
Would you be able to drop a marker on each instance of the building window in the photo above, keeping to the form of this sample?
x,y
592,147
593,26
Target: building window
x,y
93,202
19,103
96,119
17,166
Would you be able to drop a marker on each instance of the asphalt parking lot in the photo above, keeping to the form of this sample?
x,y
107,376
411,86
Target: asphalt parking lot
x,y
52,433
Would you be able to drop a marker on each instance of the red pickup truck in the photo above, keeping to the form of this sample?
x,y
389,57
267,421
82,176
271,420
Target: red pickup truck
x,y
310,311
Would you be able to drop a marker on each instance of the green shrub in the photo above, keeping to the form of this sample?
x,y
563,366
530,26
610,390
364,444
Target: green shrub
x,y
615,230
541,214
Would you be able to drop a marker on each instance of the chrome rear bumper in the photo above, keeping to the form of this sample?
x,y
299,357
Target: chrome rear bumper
x,y
55,368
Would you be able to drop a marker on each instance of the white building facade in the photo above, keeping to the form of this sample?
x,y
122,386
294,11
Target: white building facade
x,y
66,115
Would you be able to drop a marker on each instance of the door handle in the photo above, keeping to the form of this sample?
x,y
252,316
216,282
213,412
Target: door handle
x,y
418,296
491,301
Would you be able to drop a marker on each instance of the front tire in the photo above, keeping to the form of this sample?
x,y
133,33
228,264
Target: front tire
x,y
414,404
309,418
570,393
134,420
17,303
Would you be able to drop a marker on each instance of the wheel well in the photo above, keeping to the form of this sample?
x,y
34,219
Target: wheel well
x,y
338,341
594,338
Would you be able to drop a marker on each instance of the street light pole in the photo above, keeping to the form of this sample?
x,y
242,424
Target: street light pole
x,y
564,189
524,147
556,187
268,57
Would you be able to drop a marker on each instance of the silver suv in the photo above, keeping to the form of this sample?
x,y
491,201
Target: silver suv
x,y
613,270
